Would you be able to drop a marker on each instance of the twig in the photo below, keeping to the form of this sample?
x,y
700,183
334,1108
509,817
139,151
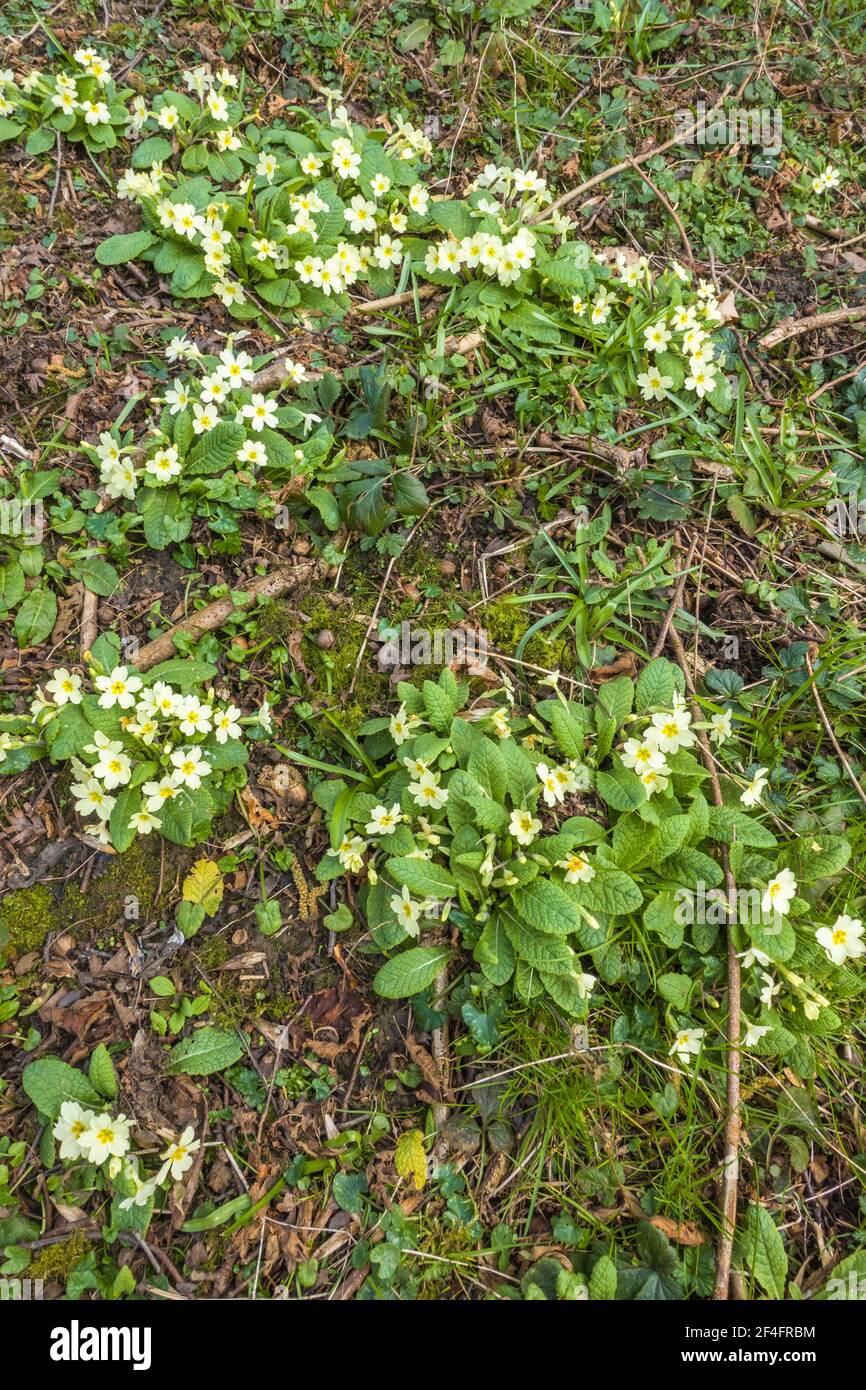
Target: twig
x,y
828,726
89,629
392,301
793,328
668,205
439,1050
215,614
56,188
680,138
676,599
731,1161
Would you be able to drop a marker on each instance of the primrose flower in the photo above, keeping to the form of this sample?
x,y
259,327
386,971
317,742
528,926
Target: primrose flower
x,y
205,418
118,688
577,869
551,790
406,911
779,892
178,1155
105,1138
95,113
195,717
427,791
164,464
670,731
190,767
260,412
72,1123
653,384
113,768
843,941
523,826
399,726
64,688
91,800
351,852
252,452
687,1044
158,793
643,755
226,725
752,794
720,727
236,367
656,337
382,821
143,822
754,1032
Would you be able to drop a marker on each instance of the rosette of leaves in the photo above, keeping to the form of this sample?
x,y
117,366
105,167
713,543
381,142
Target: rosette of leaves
x,y
36,113
528,928
264,209
63,733
31,505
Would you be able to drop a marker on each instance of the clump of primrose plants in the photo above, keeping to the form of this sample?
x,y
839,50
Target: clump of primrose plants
x,y
571,842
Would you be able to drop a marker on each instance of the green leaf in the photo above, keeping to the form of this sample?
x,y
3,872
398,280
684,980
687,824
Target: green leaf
x,y
487,766
206,1051
660,916
414,35
421,876
11,585
36,617
760,1252
151,151
655,686
677,989
621,793
727,824
215,450
117,250
49,1082
546,907
611,891
602,1281
570,733
410,972
102,1073
494,952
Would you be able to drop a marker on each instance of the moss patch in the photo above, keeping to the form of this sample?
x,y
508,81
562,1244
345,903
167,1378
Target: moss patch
x,y
58,1261
136,887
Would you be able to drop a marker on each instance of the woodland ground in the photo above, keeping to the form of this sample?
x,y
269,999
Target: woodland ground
x,y
573,1148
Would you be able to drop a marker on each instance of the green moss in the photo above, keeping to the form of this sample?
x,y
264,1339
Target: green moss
x,y
139,882
506,624
26,919
135,887
58,1261
332,669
